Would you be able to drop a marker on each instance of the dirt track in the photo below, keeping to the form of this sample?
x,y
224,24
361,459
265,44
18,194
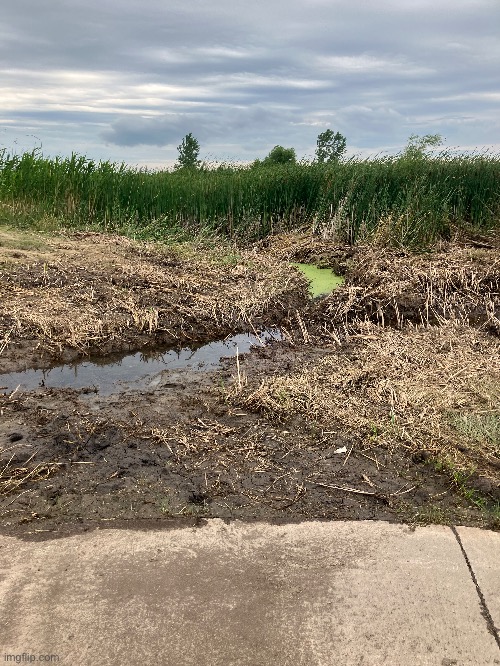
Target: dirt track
x,y
279,441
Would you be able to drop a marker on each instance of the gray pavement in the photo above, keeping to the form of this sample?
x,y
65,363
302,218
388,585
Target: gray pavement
x,y
321,594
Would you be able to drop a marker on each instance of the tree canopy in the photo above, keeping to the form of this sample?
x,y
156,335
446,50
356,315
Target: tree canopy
x,y
189,150
418,146
330,146
280,155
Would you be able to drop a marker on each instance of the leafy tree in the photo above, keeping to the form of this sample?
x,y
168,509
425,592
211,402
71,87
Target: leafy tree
x,y
280,155
418,146
188,153
330,147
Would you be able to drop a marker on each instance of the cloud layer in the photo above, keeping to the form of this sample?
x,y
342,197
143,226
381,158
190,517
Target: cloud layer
x,y
127,80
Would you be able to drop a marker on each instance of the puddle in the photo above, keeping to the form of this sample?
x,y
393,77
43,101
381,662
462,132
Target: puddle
x,y
322,281
115,373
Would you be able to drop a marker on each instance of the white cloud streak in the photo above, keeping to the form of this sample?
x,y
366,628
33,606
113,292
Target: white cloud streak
x,y
126,80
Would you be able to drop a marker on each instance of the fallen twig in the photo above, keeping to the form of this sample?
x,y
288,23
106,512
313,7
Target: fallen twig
x,y
343,488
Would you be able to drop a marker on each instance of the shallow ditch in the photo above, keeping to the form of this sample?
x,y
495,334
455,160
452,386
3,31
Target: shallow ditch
x,y
101,440
118,372
115,373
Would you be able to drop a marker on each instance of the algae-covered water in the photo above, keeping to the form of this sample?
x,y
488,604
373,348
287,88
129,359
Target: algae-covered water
x,y
322,281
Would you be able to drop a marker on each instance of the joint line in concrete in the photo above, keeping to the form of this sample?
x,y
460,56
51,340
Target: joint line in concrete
x,y
485,612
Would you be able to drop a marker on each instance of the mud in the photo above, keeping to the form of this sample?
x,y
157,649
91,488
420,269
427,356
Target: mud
x,y
194,446
182,452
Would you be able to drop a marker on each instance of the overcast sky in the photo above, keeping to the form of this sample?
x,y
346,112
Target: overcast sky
x,y
126,79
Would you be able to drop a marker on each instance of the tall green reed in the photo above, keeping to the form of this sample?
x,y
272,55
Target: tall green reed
x,y
416,200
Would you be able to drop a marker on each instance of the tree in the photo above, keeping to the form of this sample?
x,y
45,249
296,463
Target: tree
x,y
330,147
280,155
418,146
188,153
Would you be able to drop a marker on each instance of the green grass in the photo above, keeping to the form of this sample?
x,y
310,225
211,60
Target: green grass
x,y
479,428
414,201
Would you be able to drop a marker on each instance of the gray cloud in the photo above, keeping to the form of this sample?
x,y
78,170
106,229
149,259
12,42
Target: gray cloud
x,y
129,79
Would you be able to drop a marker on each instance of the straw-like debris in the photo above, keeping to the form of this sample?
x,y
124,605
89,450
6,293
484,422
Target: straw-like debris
x,y
379,395
96,291
15,477
404,389
461,284
457,281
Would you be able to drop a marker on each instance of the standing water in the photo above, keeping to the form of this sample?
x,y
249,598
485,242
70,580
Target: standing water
x,y
322,281
117,372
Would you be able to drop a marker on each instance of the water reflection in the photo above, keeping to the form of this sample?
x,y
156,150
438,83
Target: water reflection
x,y
117,372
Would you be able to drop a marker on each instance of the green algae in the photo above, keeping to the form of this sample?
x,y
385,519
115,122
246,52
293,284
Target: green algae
x,y
322,281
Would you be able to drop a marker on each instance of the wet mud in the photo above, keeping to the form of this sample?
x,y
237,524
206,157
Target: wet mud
x,y
182,451
196,445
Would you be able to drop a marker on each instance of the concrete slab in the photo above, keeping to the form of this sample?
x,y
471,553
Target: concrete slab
x,y
483,550
244,594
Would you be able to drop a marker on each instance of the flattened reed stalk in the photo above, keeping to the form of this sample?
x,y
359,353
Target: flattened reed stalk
x,y
400,389
458,281
98,289
395,288
13,477
408,201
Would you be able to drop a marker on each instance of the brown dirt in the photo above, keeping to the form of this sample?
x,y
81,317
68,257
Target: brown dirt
x,y
358,414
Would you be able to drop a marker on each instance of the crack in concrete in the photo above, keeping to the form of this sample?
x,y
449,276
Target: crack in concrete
x,y
485,612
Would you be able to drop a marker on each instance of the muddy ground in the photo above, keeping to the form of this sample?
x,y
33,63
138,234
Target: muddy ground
x,y
382,402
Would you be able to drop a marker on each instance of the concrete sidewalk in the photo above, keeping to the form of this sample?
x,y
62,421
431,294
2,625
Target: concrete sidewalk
x,y
254,594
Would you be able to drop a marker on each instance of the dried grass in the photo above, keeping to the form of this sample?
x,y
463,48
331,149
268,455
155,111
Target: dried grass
x,y
115,288
399,388
13,477
389,287
236,460
457,281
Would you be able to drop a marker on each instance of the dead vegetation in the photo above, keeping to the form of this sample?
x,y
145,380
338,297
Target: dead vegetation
x,y
91,291
461,284
391,380
400,389
416,358
389,287
19,466
13,477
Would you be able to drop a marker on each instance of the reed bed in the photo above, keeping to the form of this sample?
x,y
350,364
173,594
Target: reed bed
x,y
411,201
